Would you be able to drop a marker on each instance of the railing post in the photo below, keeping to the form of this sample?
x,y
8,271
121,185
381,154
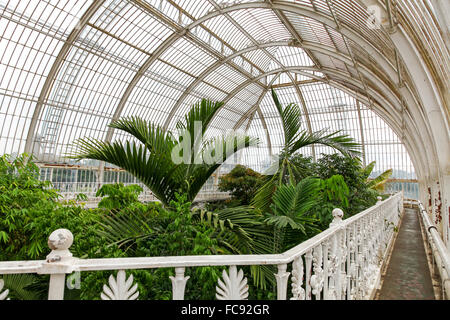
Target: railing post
x,y
282,281
59,262
179,284
338,214
56,287
335,285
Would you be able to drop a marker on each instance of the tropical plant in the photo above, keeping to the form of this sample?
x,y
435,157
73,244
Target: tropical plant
x,y
334,194
294,140
290,219
167,164
242,183
237,230
360,196
116,196
378,183
19,286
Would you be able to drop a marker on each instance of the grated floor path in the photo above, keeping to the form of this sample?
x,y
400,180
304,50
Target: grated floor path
x,y
408,275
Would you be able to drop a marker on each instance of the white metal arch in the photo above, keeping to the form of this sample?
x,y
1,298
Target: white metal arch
x,y
282,6
48,85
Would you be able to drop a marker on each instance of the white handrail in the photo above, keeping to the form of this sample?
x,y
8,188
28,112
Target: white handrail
x,y
440,252
343,262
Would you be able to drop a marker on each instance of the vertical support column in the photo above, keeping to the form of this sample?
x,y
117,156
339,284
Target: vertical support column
x,y
179,284
56,287
59,262
282,281
336,252
308,264
101,174
326,271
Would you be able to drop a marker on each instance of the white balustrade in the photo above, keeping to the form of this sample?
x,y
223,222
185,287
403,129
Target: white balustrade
x,y
342,263
70,191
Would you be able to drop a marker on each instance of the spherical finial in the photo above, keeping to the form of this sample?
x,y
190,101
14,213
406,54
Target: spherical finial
x,y
61,239
380,199
338,213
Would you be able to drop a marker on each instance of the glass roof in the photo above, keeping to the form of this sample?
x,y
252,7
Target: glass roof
x,y
70,67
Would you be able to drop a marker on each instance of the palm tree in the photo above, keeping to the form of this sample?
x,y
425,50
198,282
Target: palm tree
x,y
290,213
167,164
295,140
379,183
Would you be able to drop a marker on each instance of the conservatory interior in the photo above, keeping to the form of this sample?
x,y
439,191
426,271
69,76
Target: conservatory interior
x,y
224,150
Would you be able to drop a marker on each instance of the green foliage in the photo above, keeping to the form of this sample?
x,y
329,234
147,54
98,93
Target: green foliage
x,y
295,140
378,183
19,286
150,159
29,211
334,194
360,196
149,230
242,183
291,216
336,190
118,196
152,230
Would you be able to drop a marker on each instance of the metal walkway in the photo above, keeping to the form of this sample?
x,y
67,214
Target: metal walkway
x,y
408,274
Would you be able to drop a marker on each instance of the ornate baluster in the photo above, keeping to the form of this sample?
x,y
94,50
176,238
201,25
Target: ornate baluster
x,y
365,256
234,286
120,288
343,259
298,293
3,294
326,271
179,284
308,262
317,279
335,257
282,281
333,268
348,263
359,262
353,273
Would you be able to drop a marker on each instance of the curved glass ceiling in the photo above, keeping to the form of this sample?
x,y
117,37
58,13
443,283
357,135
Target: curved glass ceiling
x,y
70,67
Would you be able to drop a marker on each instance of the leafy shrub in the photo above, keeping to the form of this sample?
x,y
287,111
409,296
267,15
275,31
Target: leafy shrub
x,y
360,196
117,196
242,183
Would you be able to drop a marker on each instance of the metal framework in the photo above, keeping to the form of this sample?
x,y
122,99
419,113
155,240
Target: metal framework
x,y
68,68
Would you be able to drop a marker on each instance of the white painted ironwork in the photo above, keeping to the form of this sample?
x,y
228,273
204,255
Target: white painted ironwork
x,y
120,288
234,285
179,284
4,294
441,254
343,262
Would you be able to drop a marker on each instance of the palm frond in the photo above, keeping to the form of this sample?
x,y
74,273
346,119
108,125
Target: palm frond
x,y
295,201
196,122
18,286
263,197
215,152
152,136
124,228
367,171
342,143
155,170
379,182
290,116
